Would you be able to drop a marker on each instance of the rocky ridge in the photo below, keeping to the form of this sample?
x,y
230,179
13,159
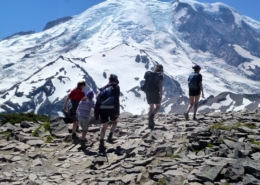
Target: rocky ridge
x,y
221,149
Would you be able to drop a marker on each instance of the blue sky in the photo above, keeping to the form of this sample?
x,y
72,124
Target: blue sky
x,y
25,15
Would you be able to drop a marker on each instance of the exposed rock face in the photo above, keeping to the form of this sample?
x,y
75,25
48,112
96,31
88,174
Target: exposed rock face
x,y
56,22
215,33
227,101
217,149
20,34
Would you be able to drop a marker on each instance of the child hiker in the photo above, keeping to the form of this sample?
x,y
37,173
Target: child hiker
x,y
83,112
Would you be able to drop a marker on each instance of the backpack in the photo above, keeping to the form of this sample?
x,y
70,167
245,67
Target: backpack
x,y
107,95
151,82
194,81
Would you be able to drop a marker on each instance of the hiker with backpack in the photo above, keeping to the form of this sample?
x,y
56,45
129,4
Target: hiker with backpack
x,y
195,91
153,90
83,112
108,109
75,96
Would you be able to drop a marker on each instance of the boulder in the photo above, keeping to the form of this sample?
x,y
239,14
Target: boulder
x,y
235,172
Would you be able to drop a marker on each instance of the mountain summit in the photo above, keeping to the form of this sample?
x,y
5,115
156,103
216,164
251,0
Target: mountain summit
x,y
128,38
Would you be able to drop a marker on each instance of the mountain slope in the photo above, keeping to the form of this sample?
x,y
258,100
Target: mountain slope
x,y
127,38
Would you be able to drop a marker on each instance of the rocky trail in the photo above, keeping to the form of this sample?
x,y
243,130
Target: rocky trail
x,y
221,149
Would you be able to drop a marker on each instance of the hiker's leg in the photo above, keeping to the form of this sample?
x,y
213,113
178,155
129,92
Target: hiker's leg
x,y
84,126
84,133
103,131
192,98
151,109
196,104
157,108
74,128
114,125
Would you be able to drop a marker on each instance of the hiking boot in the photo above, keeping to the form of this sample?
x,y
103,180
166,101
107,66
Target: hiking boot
x,y
102,147
82,142
151,121
74,136
195,119
109,138
186,116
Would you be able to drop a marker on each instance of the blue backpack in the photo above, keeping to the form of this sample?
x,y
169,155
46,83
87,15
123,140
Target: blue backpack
x,y
107,95
194,81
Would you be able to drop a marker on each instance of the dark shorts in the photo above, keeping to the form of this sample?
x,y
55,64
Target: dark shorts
x,y
153,97
194,92
107,115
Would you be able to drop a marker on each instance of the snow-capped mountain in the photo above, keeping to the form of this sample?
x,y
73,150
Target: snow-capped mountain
x,y
129,37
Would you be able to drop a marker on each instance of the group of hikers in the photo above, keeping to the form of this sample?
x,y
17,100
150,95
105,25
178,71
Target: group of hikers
x,y
107,106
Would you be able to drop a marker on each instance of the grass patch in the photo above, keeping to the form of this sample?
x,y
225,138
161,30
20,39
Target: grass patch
x,y
250,125
49,139
20,117
47,128
255,142
6,134
162,181
221,126
174,156
210,146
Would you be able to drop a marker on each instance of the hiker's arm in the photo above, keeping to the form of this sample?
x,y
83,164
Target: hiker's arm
x,y
66,102
201,89
160,89
117,101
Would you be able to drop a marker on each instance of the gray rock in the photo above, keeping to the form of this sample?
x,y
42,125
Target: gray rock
x,y
26,124
250,180
235,172
21,147
211,174
156,171
32,177
174,173
37,143
143,162
256,156
134,170
229,143
58,128
37,162
8,127
251,167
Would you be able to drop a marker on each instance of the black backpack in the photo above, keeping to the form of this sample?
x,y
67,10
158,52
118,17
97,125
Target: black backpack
x,y
150,82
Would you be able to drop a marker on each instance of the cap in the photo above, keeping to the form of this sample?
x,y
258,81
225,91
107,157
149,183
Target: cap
x,y
113,78
90,95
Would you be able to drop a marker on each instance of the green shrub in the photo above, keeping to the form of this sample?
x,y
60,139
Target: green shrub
x,y
174,156
49,139
20,117
6,134
162,181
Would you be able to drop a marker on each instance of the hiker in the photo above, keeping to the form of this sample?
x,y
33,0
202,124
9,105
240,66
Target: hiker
x,y
108,109
75,96
83,112
195,90
153,90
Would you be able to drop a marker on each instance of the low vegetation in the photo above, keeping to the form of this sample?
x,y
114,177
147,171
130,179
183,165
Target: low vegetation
x,y
174,156
221,126
162,181
5,134
253,141
20,117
